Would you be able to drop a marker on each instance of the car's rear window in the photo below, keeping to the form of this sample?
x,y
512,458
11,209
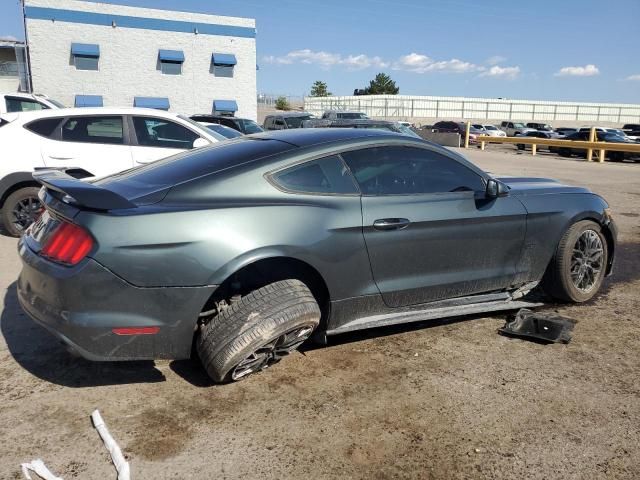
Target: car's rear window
x,y
190,165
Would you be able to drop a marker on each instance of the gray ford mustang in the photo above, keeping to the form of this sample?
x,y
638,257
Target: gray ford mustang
x,y
247,248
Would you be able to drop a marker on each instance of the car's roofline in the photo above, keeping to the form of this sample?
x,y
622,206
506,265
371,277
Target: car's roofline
x,y
78,111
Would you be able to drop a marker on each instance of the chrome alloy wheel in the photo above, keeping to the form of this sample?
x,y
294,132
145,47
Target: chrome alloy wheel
x,y
586,261
272,351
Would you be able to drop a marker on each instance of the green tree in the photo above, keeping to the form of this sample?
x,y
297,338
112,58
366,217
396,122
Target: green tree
x,y
282,104
382,85
319,89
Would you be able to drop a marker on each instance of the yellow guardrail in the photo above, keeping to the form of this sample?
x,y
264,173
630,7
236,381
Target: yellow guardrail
x,y
600,147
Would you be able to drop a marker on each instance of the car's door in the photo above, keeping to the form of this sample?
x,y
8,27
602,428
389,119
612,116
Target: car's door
x,y
431,232
155,138
95,143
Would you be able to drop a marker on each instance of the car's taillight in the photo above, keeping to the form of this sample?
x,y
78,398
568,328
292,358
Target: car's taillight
x,y
68,244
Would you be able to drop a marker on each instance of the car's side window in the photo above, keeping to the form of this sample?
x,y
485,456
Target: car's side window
x,y
326,175
44,127
397,170
159,132
15,104
94,130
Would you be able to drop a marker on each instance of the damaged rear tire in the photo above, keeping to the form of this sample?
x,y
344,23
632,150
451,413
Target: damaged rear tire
x,y
258,330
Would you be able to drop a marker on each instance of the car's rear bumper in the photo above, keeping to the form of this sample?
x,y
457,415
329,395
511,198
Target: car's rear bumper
x,y
82,305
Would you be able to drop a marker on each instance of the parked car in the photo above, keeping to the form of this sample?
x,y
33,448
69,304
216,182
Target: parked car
x,y
221,130
93,141
537,134
564,131
632,130
380,229
543,127
26,102
615,131
397,127
245,126
601,136
285,120
458,127
515,128
490,130
344,115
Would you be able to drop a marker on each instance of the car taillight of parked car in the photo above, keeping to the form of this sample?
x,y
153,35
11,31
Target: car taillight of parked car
x,y
68,244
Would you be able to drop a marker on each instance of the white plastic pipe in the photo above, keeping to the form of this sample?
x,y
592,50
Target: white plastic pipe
x,y
122,467
39,468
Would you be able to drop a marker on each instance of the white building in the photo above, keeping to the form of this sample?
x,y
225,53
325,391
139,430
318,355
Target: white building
x,y
88,54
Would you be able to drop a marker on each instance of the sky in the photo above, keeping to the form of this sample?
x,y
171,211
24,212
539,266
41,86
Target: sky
x,y
573,50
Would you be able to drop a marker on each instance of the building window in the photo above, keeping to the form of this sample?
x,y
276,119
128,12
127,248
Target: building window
x,y
88,101
225,107
170,61
222,64
159,103
85,56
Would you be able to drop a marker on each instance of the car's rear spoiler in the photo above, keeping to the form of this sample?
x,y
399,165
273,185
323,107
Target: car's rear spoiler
x,y
82,193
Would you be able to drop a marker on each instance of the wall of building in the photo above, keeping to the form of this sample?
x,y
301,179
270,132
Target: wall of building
x,y
422,109
128,64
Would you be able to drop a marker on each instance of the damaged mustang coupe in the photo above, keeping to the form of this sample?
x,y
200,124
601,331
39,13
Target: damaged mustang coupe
x,y
247,248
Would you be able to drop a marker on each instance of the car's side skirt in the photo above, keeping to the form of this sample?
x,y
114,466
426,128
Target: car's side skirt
x,y
448,308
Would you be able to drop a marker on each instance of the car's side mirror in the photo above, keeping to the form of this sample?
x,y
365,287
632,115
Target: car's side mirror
x,y
200,142
496,189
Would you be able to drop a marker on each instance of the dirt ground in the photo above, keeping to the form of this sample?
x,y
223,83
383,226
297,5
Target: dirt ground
x,y
439,400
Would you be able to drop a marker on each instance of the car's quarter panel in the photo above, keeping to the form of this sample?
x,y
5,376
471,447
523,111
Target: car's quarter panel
x,y
455,245
82,304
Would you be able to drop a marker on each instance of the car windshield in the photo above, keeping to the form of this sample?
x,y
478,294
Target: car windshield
x,y
490,127
478,126
407,131
611,137
222,131
296,122
198,126
518,125
56,103
250,126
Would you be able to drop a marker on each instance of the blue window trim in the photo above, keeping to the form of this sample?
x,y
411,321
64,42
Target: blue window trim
x,y
159,103
225,106
85,50
224,59
173,56
88,101
125,21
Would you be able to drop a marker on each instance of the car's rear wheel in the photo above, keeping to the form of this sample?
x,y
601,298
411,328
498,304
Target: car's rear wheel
x,y
257,330
20,210
577,269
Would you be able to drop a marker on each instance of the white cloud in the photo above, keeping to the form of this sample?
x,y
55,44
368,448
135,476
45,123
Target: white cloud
x,y
634,78
586,71
503,72
495,60
418,63
327,60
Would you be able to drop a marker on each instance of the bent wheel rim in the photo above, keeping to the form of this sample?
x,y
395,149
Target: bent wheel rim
x,y
272,351
587,261
25,212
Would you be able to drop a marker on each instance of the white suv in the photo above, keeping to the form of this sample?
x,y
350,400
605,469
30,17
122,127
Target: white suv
x,y
26,102
91,141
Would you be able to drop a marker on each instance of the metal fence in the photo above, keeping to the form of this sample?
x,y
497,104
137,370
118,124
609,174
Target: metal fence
x,y
269,99
415,107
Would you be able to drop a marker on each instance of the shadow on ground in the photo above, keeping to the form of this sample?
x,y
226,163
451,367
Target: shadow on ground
x,y
42,355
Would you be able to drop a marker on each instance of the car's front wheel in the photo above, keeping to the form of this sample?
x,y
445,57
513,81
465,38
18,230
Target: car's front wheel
x,y
20,210
577,269
257,330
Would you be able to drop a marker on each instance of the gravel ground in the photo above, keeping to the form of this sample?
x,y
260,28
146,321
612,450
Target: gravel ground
x,y
437,400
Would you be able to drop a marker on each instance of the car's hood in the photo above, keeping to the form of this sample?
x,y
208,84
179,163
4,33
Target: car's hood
x,y
538,186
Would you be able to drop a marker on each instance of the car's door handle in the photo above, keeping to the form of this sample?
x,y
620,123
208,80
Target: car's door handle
x,y
60,158
391,223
